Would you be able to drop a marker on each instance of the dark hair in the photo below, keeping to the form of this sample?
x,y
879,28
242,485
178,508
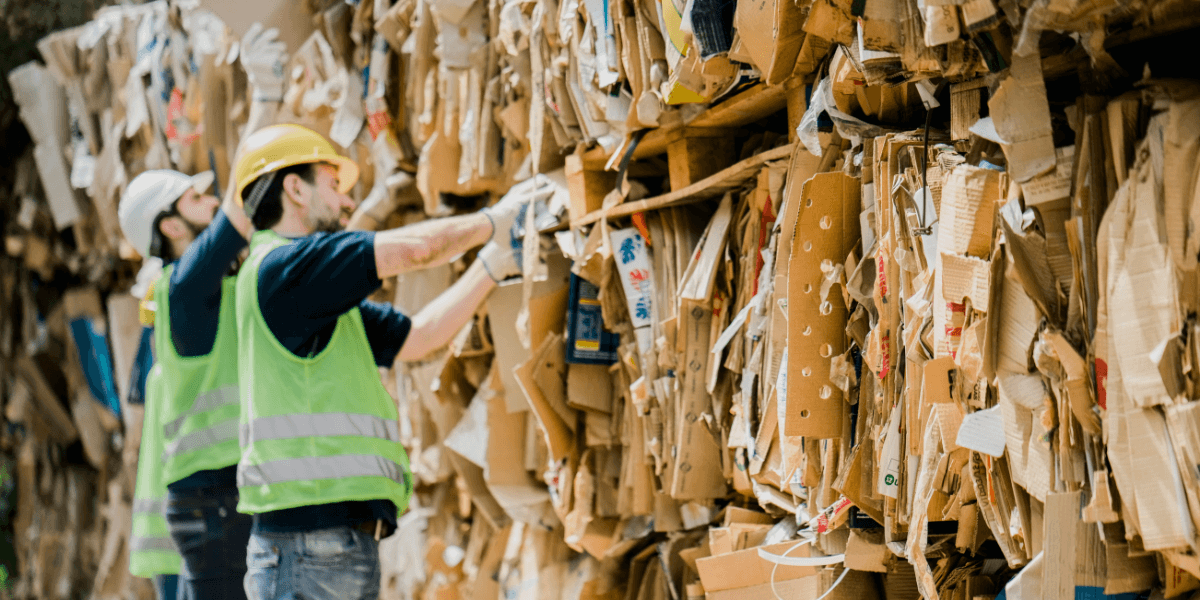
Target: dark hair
x,y
160,246
270,210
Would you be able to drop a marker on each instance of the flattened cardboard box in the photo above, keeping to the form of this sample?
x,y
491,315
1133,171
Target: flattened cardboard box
x,y
827,229
745,568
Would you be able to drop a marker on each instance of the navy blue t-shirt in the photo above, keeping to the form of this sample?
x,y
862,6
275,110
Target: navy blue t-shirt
x,y
195,298
303,287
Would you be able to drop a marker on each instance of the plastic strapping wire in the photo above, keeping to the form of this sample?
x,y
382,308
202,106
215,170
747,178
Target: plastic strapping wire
x,y
257,192
925,193
815,561
634,140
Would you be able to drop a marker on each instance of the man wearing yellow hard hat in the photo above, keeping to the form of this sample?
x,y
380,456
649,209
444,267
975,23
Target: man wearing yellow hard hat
x,y
322,469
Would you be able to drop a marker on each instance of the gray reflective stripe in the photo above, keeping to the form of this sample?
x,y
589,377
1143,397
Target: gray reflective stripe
x,y
203,438
153,507
320,467
282,427
138,544
210,400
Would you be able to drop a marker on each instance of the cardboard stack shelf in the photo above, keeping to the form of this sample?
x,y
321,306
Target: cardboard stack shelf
x,y
885,299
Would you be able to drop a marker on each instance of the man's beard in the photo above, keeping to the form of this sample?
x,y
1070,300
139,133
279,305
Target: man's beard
x,y
192,226
195,227
329,224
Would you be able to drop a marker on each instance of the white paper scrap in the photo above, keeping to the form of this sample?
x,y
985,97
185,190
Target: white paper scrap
x,y
983,431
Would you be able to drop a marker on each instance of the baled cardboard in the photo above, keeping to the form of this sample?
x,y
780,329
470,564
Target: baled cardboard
x,y
697,473
547,399
745,568
772,34
826,231
1021,114
866,551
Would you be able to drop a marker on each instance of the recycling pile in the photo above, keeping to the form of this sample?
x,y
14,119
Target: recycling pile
x,y
877,299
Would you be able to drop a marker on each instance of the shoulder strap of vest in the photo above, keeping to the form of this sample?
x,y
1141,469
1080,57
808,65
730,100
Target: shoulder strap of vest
x,y
263,242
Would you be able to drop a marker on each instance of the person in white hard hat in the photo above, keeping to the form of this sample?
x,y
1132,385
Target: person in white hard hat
x,y
162,212
171,216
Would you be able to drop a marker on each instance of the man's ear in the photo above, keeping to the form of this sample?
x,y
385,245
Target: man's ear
x,y
294,188
172,228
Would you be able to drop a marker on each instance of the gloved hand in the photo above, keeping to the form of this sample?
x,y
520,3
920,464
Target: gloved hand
x,y
263,56
508,215
502,262
504,216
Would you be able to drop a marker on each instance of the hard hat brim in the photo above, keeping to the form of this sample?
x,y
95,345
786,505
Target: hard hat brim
x,y
202,181
348,172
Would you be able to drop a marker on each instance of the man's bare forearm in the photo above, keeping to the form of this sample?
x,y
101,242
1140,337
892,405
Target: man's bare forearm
x,y
439,321
429,243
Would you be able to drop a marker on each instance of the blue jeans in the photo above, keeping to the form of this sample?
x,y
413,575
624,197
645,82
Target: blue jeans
x,y
338,563
166,587
211,536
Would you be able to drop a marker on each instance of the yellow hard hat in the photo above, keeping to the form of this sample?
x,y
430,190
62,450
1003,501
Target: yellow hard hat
x,y
278,146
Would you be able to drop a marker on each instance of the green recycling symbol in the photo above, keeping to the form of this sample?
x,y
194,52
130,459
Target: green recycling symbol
x,y
890,480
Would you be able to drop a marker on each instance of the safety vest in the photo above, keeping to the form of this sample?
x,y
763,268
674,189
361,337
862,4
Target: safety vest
x,y
200,415
151,550
314,430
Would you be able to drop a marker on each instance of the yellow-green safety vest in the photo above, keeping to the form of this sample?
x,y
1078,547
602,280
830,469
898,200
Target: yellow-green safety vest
x,y
200,415
151,550
314,430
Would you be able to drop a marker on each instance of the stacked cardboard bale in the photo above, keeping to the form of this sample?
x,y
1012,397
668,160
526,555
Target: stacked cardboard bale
x,y
858,299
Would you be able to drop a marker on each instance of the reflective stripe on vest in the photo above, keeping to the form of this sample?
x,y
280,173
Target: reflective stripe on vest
x,y
142,544
204,438
150,507
211,400
320,467
282,427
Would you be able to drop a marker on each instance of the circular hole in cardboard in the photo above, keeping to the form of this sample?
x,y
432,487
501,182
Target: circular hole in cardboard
x,y
825,392
826,222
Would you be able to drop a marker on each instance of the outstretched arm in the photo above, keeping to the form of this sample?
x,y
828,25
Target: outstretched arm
x,y
262,113
263,58
437,324
429,243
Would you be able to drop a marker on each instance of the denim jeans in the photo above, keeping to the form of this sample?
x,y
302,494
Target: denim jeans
x,y
338,563
166,587
211,536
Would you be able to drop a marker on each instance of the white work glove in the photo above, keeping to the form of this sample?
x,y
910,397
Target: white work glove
x,y
263,56
502,262
504,214
508,214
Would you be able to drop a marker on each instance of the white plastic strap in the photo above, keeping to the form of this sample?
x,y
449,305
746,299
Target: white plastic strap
x,y
798,561
815,561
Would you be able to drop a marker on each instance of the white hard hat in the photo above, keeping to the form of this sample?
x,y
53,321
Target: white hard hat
x,y
148,195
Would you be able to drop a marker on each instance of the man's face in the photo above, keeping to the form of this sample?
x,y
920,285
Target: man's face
x,y
328,209
197,210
